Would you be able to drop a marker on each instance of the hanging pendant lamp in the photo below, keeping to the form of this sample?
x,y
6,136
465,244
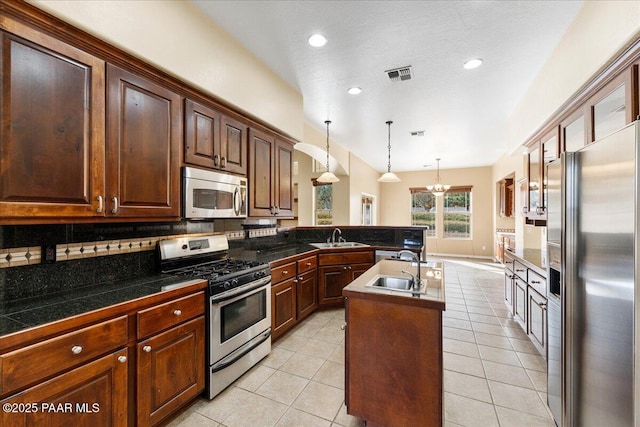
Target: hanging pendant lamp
x,y
328,176
389,176
438,189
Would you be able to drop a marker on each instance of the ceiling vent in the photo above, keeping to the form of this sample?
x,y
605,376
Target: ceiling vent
x,y
399,74
417,133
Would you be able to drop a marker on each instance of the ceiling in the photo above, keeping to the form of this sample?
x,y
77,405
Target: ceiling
x,y
464,113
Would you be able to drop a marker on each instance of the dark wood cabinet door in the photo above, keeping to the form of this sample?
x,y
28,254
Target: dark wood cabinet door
x,y
202,135
261,173
331,280
170,371
96,393
283,303
233,146
52,133
356,270
307,293
284,179
144,135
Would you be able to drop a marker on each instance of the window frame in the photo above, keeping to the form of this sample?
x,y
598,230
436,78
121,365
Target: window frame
x,y
314,200
459,189
415,190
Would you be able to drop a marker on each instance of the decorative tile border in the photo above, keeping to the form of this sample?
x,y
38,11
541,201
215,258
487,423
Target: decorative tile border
x,y
262,232
15,257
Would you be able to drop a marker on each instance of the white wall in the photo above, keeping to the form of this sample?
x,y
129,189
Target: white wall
x,y
362,179
178,38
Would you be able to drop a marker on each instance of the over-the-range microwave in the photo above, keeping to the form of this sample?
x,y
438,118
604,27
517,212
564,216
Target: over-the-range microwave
x,y
210,194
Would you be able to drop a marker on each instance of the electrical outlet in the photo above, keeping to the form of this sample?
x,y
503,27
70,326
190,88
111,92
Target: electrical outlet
x,y
48,254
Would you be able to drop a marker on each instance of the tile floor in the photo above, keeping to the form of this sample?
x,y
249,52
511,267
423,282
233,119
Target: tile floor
x,y
493,375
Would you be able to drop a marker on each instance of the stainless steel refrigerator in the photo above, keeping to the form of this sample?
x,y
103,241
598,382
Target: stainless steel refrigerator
x,y
593,322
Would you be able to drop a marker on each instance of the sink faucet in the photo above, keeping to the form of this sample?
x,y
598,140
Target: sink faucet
x,y
415,279
332,239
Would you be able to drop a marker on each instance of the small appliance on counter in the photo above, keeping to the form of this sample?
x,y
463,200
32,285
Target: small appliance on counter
x,y
239,292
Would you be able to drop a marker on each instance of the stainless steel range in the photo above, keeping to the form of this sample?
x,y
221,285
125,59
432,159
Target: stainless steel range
x,y
239,315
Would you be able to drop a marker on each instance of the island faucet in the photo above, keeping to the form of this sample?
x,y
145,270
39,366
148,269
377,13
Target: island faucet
x,y
415,279
332,239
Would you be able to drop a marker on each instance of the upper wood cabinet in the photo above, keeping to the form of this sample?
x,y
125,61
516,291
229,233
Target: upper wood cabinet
x,y
144,134
52,133
611,108
270,175
213,140
507,197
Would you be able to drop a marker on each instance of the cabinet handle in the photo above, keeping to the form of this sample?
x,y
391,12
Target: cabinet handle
x,y
510,276
216,160
543,306
285,272
537,282
114,199
146,348
295,280
308,264
224,162
277,210
76,349
519,270
344,267
99,210
300,278
122,359
177,312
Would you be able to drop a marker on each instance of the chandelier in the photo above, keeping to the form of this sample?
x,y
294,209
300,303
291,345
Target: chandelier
x,y
389,176
438,189
328,176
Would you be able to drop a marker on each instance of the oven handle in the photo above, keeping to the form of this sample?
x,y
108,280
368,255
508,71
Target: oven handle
x,y
237,203
265,336
242,290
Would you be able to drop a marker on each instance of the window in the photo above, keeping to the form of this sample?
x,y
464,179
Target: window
x,y
423,210
457,213
323,203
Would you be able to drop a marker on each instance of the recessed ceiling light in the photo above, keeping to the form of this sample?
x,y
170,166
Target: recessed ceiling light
x,y
317,40
472,63
354,91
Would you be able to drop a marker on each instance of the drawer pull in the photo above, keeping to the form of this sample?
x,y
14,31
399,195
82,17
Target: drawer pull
x,y
517,269
146,348
343,326
177,312
308,264
122,359
285,272
76,349
537,282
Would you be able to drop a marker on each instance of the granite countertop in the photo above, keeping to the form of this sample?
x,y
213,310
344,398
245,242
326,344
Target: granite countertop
x,y
536,259
24,314
431,294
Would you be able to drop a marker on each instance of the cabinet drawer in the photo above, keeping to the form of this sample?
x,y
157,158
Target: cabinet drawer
x,y
537,282
283,272
164,316
36,362
307,264
346,258
508,262
520,270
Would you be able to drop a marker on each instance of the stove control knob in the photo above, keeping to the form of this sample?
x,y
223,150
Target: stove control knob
x,y
226,285
234,282
184,246
258,274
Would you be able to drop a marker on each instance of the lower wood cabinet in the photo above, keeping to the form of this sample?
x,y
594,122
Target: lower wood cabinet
x,y
94,394
338,269
307,294
283,301
170,371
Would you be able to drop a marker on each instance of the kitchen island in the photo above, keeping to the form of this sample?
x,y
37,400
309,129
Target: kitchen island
x,y
393,360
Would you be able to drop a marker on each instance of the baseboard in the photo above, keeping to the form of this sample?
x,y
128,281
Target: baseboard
x,y
490,258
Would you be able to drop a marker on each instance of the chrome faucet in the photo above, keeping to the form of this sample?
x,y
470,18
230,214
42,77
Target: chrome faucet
x,y
332,239
414,279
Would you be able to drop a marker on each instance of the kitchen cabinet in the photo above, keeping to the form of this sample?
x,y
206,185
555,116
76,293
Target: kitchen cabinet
x,y
144,134
507,199
541,153
509,279
610,109
537,319
270,175
336,270
520,302
213,140
307,287
283,299
52,139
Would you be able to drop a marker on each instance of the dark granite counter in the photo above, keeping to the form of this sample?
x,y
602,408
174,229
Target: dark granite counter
x,y
22,314
536,259
272,253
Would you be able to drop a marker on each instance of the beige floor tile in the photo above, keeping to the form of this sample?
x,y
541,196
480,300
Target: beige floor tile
x,y
449,314
306,330
255,411
454,300
487,329
296,418
282,387
458,334
330,333
518,398
291,342
499,355
302,365
469,412
533,361
346,420
456,307
338,354
317,348
456,323
515,332
192,419
480,297
502,314
464,364
476,303
493,340
332,374
277,357
513,418
483,318
321,400
524,346
513,375
255,377
467,385
460,347
224,404
480,310
539,380
509,322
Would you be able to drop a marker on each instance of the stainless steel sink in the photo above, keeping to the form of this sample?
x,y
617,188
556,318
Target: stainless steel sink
x,y
325,245
390,282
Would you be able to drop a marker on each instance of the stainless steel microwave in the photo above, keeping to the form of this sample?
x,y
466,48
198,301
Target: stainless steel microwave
x,y
210,194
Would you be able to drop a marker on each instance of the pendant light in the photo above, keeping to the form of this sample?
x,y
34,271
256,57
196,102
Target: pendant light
x,y
438,189
389,176
328,176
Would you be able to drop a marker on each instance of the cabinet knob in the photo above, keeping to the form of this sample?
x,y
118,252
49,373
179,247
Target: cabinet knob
x,y
76,349
146,348
224,162
285,272
295,280
216,160
343,326
177,312
344,267
122,359
308,264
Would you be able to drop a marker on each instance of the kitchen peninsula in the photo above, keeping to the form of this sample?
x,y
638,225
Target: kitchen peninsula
x,y
394,342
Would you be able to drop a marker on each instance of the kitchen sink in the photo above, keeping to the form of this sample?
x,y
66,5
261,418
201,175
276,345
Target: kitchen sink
x,y
325,245
391,282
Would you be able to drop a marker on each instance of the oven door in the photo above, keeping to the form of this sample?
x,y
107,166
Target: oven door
x,y
211,199
238,316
